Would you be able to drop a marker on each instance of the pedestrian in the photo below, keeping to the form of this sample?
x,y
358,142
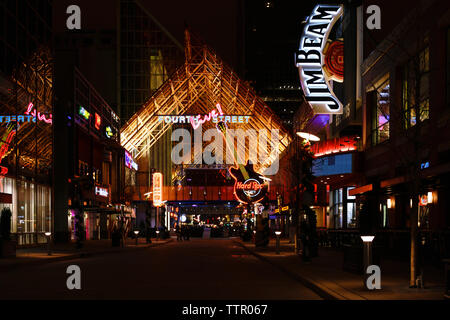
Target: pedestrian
x,y
178,233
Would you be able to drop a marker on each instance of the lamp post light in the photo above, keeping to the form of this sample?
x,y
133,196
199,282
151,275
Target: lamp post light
x,y
136,232
157,235
48,235
367,240
278,233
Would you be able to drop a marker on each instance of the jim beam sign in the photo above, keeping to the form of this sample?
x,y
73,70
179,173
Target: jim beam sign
x,y
311,59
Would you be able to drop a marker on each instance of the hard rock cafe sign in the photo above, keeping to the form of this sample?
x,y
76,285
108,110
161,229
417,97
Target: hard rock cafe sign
x,y
320,61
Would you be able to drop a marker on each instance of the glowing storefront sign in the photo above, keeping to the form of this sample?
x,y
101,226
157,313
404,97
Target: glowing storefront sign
x,y
215,116
109,132
336,145
310,59
31,115
129,162
103,192
98,121
84,113
157,189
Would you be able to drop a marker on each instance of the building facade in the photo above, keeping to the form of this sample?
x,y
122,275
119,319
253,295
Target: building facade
x,y
26,128
395,114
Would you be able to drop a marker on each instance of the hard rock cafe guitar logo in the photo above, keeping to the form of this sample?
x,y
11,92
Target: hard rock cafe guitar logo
x,y
249,187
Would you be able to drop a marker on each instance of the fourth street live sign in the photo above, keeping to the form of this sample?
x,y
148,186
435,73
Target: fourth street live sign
x,y
311,59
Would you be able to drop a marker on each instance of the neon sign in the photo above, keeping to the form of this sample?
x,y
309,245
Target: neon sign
x,y
215,116
29,115
84,113
157,189
129,162
103,192
98,121
310,59
336,145
109,132
7,137
38,115
249,185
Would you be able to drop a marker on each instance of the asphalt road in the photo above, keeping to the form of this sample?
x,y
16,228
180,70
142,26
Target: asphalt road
x,y
189,270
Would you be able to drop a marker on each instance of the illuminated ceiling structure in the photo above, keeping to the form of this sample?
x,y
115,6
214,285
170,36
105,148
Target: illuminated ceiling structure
x,y
31,82
195,88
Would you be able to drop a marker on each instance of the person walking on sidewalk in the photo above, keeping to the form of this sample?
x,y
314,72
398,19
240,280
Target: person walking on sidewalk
x,y
178,233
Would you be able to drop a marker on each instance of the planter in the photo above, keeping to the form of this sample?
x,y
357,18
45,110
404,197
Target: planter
x,y
8,248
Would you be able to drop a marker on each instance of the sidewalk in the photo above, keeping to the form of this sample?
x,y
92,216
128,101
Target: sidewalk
x,y
67,251
325,275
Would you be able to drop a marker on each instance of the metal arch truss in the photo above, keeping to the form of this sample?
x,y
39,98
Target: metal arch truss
x,y
196,87
32,82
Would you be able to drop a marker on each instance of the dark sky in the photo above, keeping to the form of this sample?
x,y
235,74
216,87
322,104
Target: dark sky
x,y
214,21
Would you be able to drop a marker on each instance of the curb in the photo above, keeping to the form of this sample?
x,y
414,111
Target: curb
x,y
80,255
310,284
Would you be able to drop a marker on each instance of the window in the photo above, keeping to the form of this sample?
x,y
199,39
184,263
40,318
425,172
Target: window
x,y
380,112
416,77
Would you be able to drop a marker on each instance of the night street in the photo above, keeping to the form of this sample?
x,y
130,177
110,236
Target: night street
x,y
239,151
207,269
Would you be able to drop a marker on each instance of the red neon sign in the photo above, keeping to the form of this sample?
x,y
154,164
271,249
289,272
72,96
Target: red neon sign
x,y
38,115
253,185
5,146
3,171
157,189
336,145
98,121
212,114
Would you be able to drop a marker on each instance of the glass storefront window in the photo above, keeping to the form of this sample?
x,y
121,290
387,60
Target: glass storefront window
x,y
31,207
351,215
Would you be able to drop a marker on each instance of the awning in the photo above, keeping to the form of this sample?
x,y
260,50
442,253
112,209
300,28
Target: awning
x,y
360,190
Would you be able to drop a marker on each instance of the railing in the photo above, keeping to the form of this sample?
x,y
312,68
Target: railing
x,y
29,238
434,246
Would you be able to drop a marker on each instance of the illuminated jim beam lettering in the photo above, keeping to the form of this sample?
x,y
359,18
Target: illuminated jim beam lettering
x,y
157,189
310,59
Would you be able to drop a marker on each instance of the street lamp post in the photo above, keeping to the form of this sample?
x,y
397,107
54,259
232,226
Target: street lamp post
x,y
367,240
278,233
157,235
136,232
47,235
